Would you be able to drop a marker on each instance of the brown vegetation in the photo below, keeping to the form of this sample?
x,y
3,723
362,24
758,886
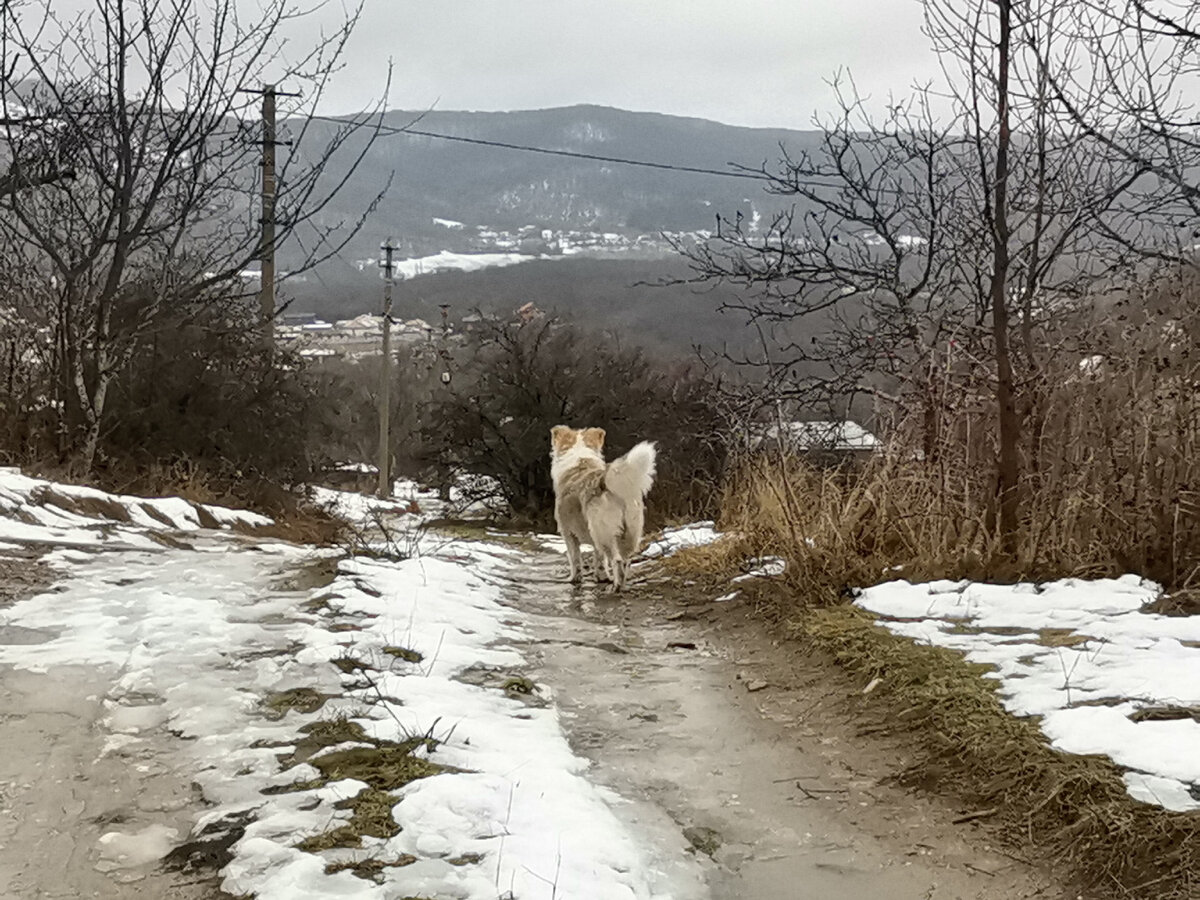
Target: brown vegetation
x,y
1112,473
518,379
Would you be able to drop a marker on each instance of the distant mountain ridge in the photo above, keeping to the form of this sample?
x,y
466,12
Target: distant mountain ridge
x,y
498,188
600,222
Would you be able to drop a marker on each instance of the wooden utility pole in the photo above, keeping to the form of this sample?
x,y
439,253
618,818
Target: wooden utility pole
x,y
266,295
385,379
266,244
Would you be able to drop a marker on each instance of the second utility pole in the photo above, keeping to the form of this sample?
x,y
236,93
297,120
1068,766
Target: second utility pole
x,y
385,380
266,248
266,298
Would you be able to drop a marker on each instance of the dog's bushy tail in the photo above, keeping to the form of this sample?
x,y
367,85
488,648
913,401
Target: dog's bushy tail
x,y
631,476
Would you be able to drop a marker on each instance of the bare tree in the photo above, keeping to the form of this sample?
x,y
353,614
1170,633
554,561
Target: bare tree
x,y
935,242
151,107
516,379
1133,92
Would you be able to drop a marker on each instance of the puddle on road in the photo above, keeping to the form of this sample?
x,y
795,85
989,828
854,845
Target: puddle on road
x,y
707,780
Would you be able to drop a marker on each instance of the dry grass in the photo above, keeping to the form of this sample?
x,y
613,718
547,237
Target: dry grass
x,y
1109,462
397,652
1071,810
720,559
898,517
370,816
301,699
370,869
382,765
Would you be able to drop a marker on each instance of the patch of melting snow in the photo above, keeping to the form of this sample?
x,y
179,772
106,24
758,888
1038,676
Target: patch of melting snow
x,y
675,539
181,633
763,567
134,850
1105,662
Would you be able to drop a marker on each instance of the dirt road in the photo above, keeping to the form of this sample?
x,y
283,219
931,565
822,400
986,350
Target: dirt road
x,y
732,759
74,823
719,737
102,742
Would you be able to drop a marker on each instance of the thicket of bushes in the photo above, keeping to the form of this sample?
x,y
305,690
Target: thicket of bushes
x,y
198,407
1111,445
521,378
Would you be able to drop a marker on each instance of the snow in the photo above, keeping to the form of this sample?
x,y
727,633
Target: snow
x,y
129,850
905,241
408,499
33,510
358,467
446,260
188,641
673,540
1105,660
820,435
230,517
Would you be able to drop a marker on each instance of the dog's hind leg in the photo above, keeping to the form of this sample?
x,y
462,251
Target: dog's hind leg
x,y
574,558
601,565
612,564
620,567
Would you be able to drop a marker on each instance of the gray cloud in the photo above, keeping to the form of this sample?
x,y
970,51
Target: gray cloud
x,y
743,62
753,62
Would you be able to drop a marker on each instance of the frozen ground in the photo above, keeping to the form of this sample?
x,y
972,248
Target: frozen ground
x,y
166,690
1103,675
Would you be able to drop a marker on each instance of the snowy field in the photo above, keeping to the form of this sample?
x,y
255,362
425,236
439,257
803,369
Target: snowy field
x,y
447,261
1103,675
193,642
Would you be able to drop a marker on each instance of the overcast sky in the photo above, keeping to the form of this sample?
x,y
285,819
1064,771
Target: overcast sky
x,y
743,62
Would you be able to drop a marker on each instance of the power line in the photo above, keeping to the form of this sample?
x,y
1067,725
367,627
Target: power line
x,y
697,170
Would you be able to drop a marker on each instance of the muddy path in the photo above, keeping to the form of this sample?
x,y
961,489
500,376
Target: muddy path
x,y
76,822
73,822
732,757
732,749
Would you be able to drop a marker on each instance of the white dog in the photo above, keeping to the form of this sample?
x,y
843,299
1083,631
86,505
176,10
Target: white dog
x,y
599,503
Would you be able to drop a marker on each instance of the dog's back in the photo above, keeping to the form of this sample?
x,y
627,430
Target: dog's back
x,y
575,489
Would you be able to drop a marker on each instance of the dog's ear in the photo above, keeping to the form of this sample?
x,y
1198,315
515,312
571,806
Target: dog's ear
x,y
561,437
594,438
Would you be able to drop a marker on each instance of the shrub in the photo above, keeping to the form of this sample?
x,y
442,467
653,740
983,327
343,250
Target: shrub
x,y
521,378
1111,446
